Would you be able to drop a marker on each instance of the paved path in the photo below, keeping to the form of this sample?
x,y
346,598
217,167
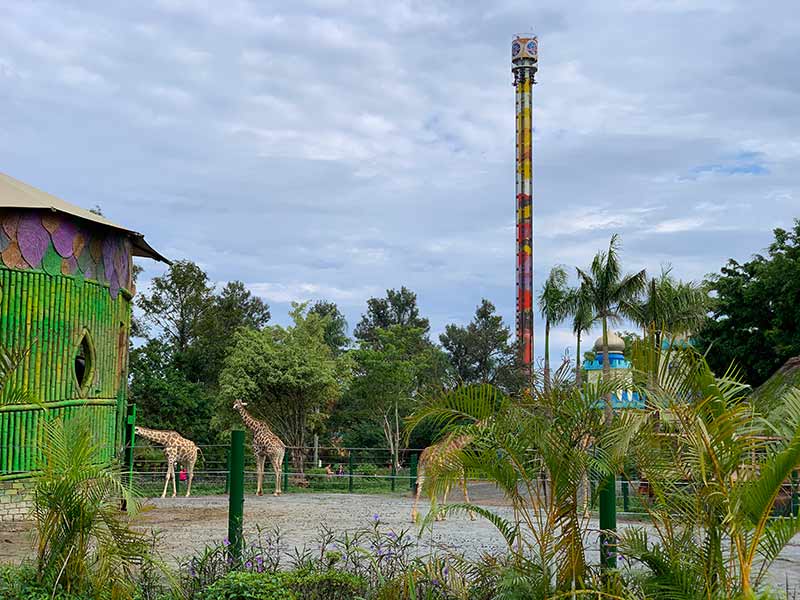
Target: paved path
x,y
188,525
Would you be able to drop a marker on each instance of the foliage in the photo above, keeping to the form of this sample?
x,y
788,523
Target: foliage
x,y
483,351
288,375
554,305
716,469
326,585
164,396
756,314
612,297
10,391
335,326
671,307
84,544
398,308
239,585
581,310
21,583
178,302
515,443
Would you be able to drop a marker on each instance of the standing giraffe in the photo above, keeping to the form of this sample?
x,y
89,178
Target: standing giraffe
x,y
177,449
265,445
441,454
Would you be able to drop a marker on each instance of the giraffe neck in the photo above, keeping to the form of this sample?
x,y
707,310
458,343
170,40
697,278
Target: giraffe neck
x,y
153,435
251,422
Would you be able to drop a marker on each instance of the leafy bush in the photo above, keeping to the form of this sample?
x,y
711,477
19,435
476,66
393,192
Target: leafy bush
x,y
20,583
241,585
366,469
326,585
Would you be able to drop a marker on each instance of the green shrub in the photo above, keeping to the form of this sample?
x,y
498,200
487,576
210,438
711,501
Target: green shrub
x,y
366,469
326,585
241,585
19,583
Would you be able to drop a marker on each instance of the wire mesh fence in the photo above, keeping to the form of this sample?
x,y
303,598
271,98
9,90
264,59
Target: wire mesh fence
x,y
308,469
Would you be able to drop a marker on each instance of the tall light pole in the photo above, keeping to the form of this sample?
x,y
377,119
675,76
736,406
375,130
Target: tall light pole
x,y
525,64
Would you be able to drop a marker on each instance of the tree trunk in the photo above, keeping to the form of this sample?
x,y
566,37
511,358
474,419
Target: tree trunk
x,y
578,363
396,457
547,355
608,410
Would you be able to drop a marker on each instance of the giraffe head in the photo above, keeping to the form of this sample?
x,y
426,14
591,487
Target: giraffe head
x,y
238,404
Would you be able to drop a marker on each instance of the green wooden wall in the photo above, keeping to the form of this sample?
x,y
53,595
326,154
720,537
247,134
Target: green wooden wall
x,y
51,314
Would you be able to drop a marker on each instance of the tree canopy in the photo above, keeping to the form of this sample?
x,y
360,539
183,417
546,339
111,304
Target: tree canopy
x,y
755,320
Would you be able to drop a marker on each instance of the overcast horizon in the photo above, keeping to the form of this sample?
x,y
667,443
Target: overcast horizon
x,y
331,150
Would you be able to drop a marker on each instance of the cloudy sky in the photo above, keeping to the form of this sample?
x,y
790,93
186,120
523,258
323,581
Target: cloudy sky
x,y
333,149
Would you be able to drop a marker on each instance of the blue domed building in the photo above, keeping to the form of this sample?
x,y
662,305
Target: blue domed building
x,y
620,368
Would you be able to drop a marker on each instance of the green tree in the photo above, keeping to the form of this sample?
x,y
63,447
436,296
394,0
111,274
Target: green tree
x,y
178,302
335,327
165,398
612,296
483,351
755,321
554,306
399,307
671,307
288,375
582,320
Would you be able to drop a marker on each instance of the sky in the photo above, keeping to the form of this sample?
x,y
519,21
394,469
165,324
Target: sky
x,y
330,149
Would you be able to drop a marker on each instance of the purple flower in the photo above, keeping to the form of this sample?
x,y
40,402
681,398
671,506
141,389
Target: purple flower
x,y
435,582
445,571
376,517
226,542
259,560
392,535
248,565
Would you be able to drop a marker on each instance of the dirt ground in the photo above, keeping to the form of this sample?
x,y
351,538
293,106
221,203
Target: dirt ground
x,y
187,525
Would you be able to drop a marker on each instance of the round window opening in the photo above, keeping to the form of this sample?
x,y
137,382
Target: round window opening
x,y
84,363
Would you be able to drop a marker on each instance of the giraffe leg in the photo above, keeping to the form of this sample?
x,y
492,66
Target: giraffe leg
x,y
466,496
414,513
166,481
190,468
260,460
443,516
174,485
277,462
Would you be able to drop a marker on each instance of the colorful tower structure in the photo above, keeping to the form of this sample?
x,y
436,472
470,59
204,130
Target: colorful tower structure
x,y
525,64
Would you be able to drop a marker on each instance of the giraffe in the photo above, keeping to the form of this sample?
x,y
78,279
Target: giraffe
x,y
441,454
177,449
265,445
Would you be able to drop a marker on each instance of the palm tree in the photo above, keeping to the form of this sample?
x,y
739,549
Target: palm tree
x,y
557,430
582,320
554,303
716,478
612,296
671,306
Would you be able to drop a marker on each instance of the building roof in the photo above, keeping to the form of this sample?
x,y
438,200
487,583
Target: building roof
x,y
19,195
615,343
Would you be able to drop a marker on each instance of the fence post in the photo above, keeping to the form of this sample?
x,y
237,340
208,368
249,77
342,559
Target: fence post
x,y
412,471
285,472
350,471
227,470
132,445
394,473
795,497
236,496
625,495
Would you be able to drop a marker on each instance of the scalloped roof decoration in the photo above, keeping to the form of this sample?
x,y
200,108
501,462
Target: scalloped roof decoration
x,y
15,194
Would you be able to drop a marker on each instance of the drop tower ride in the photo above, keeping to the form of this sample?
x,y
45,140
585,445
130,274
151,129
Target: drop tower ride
x,y
525,64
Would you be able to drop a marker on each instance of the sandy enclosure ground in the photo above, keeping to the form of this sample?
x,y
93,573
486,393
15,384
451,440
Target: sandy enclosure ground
x,y
187,525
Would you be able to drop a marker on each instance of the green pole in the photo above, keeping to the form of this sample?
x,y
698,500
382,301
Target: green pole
x,y
625,496
350,469
394,473
228,470
285,472
132,444
795,498
236,496
412,471
608,522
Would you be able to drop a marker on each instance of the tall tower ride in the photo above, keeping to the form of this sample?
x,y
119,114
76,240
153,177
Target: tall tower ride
x,y
525,63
